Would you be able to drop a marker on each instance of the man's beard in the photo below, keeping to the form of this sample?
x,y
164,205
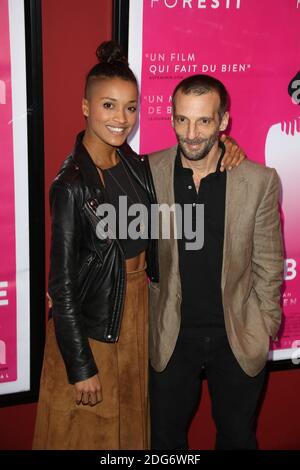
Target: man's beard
x,y
199,155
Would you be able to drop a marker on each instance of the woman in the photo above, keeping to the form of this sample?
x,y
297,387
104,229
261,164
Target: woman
x,y
94,382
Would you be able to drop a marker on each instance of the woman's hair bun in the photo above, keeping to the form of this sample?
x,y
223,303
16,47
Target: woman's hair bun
x,y
109,52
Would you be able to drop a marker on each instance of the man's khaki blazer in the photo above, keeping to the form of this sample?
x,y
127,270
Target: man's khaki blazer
x,y
252,269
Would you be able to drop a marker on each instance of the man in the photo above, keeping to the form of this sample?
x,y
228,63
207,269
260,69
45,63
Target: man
x,y
214,308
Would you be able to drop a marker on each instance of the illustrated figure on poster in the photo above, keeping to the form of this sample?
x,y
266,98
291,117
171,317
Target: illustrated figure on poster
x,y
282,150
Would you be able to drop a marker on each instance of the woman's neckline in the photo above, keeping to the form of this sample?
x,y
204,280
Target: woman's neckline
x,y
110,168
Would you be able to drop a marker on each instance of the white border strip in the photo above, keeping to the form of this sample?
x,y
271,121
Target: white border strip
x,y
19,112
284,354
135,53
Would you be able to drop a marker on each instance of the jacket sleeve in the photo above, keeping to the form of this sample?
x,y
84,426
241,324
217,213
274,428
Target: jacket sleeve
x,y
267,256
63,289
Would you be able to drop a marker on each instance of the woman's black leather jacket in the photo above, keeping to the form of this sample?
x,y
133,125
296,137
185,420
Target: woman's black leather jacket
x,y
87,277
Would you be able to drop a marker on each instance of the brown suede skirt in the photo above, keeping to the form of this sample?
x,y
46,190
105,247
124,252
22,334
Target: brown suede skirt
x,y
120,421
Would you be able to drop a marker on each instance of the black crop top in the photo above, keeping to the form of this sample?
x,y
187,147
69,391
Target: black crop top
x,y
131,230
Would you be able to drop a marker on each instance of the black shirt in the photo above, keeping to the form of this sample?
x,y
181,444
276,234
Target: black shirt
x,y
118,183
201,270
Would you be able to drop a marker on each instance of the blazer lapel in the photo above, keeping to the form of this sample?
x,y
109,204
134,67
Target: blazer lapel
x,y
236,197
162,169
163,175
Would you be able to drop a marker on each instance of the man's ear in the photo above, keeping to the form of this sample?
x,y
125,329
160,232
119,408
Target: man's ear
x,y
85,107
224,121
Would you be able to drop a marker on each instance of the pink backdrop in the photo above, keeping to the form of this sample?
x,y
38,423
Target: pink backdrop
x,y
253,47
8,346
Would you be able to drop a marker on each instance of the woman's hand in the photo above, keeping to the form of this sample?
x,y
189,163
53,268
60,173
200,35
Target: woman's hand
x,y
234,155
89,391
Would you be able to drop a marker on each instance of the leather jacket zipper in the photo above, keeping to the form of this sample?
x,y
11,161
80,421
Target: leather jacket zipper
x,y
86,264
113,330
